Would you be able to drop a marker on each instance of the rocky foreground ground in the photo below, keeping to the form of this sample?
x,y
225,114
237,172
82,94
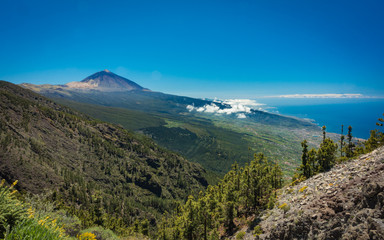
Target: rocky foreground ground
x,y
344,203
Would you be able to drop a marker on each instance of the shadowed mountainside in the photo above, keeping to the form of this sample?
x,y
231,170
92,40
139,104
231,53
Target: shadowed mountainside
x,y
88,165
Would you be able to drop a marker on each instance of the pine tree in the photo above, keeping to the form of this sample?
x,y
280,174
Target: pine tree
x,y
245,188
277,176
380,121
189,218
312,162
326,154
374,141
255,169
376,137
162,229
145,227
304,160
323,128
350,143
342,141
239,193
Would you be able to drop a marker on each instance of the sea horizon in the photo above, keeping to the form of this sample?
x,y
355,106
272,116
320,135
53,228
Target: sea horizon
x,y
360,114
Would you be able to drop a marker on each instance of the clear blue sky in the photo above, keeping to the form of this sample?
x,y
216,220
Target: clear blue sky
x,y
224,49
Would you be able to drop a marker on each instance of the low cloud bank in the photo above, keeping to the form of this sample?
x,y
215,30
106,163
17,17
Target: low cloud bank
x,y
328,95
234,106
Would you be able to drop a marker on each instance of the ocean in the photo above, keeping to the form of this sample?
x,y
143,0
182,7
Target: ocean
x,y
361,114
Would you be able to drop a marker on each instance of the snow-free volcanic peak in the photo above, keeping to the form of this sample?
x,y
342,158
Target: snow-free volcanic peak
x,y
105,81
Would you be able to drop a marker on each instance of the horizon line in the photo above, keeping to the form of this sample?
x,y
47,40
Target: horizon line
x,y
324,96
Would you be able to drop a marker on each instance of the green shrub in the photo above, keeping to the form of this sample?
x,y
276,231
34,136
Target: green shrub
x,y
31,229
11,209
41,208
257,230
240,235
101,233
17,221
271,201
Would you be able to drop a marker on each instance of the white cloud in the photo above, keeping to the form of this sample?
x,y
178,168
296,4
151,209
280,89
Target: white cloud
x,y
190,108
327,95
236,106
245,102
241,115
211,108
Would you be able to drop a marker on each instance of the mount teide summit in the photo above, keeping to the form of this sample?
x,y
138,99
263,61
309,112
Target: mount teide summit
x,y
105,81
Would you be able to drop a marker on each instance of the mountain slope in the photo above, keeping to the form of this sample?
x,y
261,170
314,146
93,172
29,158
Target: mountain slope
x,y
345,203
88,165
204,137
105,81
213,141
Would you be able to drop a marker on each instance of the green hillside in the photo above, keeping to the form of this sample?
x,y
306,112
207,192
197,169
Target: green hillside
x,y
100,172
214,141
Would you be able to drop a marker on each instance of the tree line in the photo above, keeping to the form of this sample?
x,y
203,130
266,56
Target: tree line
x,y
325,157
242,192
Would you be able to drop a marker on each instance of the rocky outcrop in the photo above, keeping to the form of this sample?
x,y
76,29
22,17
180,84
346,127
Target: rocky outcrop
x,y
344,203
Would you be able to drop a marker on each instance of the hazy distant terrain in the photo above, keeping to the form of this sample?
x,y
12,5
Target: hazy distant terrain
x,y
215,140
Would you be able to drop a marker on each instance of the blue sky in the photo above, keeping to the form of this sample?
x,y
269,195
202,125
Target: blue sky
x,y
225,49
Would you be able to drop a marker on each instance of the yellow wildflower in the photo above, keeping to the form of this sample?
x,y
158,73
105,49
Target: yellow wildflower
x,y
42,222
54,222
15,182
31,212
86,236
302,189
283,205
